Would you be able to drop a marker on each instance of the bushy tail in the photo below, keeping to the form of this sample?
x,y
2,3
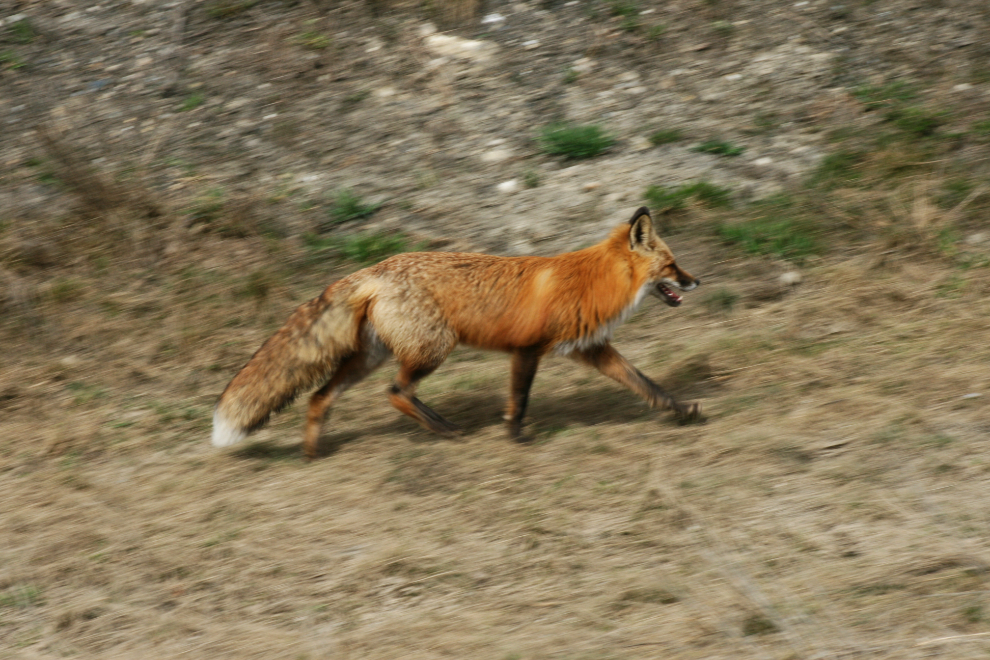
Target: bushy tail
x,y
303,353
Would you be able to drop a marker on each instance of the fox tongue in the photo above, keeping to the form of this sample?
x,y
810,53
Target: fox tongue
x,y
669,296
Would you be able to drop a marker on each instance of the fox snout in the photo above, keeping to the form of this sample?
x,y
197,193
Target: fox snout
x,y
682,280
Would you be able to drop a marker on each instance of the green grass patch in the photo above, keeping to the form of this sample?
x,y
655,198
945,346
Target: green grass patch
x,y
624,8
347,206
665,136
776,230
656,32
22,31
10,60
719,148
370,248
228,8
876,97
207,208
364,249
574,141
192,102
723,29
915,121
312,40
21,597
351,101
838,168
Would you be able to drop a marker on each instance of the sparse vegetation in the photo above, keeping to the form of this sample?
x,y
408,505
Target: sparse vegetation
x,y
312,39
369,248
222,9
192,101
10,60
656,32
719,148
22,31
665,136
780,235
662,198
721,300
363,249
347,206
575,141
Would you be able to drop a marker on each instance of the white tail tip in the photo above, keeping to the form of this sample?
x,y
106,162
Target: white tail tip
x,y
225,435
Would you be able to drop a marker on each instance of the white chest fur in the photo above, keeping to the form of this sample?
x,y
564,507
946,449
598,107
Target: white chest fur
x,y
603,332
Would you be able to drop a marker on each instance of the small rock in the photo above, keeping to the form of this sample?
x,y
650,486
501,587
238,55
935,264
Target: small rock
x,y
496,156
978,238
492,19
508,187
583,65
962,87
70,361
972,395
790,278
447,45
591,185
763,162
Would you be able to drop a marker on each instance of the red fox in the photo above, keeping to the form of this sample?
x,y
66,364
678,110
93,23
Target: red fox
x,y
419,306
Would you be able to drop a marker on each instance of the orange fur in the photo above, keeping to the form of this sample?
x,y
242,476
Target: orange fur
x,y
419,306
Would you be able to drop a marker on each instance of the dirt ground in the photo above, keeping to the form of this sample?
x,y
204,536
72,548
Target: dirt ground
x,y
171,191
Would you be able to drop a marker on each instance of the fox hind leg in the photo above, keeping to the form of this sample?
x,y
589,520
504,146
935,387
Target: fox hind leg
x,y
402,395
351,371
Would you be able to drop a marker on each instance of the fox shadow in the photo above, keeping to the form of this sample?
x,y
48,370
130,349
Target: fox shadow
x,y
474,412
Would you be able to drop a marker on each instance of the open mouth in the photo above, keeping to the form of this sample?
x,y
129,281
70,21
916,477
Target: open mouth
x,y
668,296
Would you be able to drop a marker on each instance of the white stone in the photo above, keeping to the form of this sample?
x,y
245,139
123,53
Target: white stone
x,y
496,156
508,187
763,162
790,278
583,65
447,45
591,185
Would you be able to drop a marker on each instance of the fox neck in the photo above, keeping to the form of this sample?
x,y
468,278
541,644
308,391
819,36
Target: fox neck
x,y
616,290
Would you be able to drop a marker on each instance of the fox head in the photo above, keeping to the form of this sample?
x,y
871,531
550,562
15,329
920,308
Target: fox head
x,y
662,271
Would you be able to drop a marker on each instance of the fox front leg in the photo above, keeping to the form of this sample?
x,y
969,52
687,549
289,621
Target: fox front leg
x,y
608,361
525,361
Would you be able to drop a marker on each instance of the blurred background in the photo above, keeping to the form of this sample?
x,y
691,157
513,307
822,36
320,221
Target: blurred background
x,y
178,176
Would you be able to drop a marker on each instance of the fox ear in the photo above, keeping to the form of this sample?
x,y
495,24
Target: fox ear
x,y
640,228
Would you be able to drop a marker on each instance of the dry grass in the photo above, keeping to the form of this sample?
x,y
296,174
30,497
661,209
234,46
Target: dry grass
x,y
831,507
